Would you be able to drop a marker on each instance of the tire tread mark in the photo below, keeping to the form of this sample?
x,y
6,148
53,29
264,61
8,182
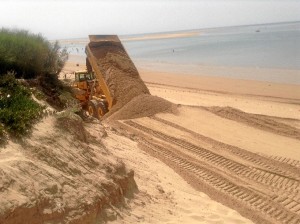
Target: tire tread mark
x,y
215,159
246,196
258,159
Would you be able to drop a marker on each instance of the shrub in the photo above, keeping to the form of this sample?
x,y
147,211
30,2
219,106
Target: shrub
x,y
2,135
29,55
51,86
18,111
32,56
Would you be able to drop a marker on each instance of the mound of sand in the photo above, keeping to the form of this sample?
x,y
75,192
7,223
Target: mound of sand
x,y
54,177
125,84
143,105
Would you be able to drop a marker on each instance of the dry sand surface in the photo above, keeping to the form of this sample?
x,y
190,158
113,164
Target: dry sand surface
x,y
228,154
164,197
61,174
161,36
135,38
235,140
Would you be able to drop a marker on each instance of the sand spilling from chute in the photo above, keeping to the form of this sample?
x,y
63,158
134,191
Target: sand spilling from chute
x,y
130,93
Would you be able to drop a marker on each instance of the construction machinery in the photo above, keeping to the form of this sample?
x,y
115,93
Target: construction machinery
x,y
90,87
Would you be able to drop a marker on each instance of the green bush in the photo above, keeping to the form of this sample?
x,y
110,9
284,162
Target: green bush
x,y
17,110
29,55
2,135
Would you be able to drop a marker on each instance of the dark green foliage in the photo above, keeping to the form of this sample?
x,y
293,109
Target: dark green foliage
x,y
2,135
17,110
29,55
34,58
52,87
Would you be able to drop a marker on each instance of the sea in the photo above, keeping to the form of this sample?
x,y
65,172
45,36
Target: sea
x,y
273,46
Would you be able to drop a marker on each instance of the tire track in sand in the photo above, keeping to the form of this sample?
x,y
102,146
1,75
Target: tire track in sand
x,y
249,202
254,185
268,177
290,165
292,162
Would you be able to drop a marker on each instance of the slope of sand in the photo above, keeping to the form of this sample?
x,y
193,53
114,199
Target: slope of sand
x,y
60,174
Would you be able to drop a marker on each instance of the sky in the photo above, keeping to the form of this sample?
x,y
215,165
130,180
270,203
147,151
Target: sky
x,y
62,19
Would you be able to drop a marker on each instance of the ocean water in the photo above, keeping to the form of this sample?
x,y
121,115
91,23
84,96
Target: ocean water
x,y
275,46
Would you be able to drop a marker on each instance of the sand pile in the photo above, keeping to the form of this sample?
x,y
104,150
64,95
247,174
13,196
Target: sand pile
x,y
125,84
54,177
143,106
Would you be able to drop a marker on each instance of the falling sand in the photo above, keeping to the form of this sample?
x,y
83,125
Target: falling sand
x,y
131,96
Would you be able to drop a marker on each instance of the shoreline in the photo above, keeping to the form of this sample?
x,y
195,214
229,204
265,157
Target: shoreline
x,y
236,72
223,85
156,36
202,80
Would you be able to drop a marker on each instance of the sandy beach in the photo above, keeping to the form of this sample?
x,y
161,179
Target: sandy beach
x,y
249,115
151,112
227,152
161,36
237,122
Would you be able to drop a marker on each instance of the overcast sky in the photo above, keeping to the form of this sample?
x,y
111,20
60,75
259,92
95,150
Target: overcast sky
x,y
57,19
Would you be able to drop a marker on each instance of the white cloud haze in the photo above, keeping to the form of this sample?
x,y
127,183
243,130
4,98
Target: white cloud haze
x,y
75,18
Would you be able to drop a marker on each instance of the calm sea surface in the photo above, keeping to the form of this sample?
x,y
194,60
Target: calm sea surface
x,y
261,46
255,46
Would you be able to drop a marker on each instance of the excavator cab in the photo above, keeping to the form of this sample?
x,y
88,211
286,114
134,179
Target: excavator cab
x,y
85,88
82,78
82,85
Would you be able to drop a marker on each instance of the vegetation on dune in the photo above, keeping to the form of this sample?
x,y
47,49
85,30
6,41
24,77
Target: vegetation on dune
x,y
18,111
29,55
38,61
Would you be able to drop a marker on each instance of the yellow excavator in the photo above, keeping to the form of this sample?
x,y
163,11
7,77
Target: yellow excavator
x,y
90,87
